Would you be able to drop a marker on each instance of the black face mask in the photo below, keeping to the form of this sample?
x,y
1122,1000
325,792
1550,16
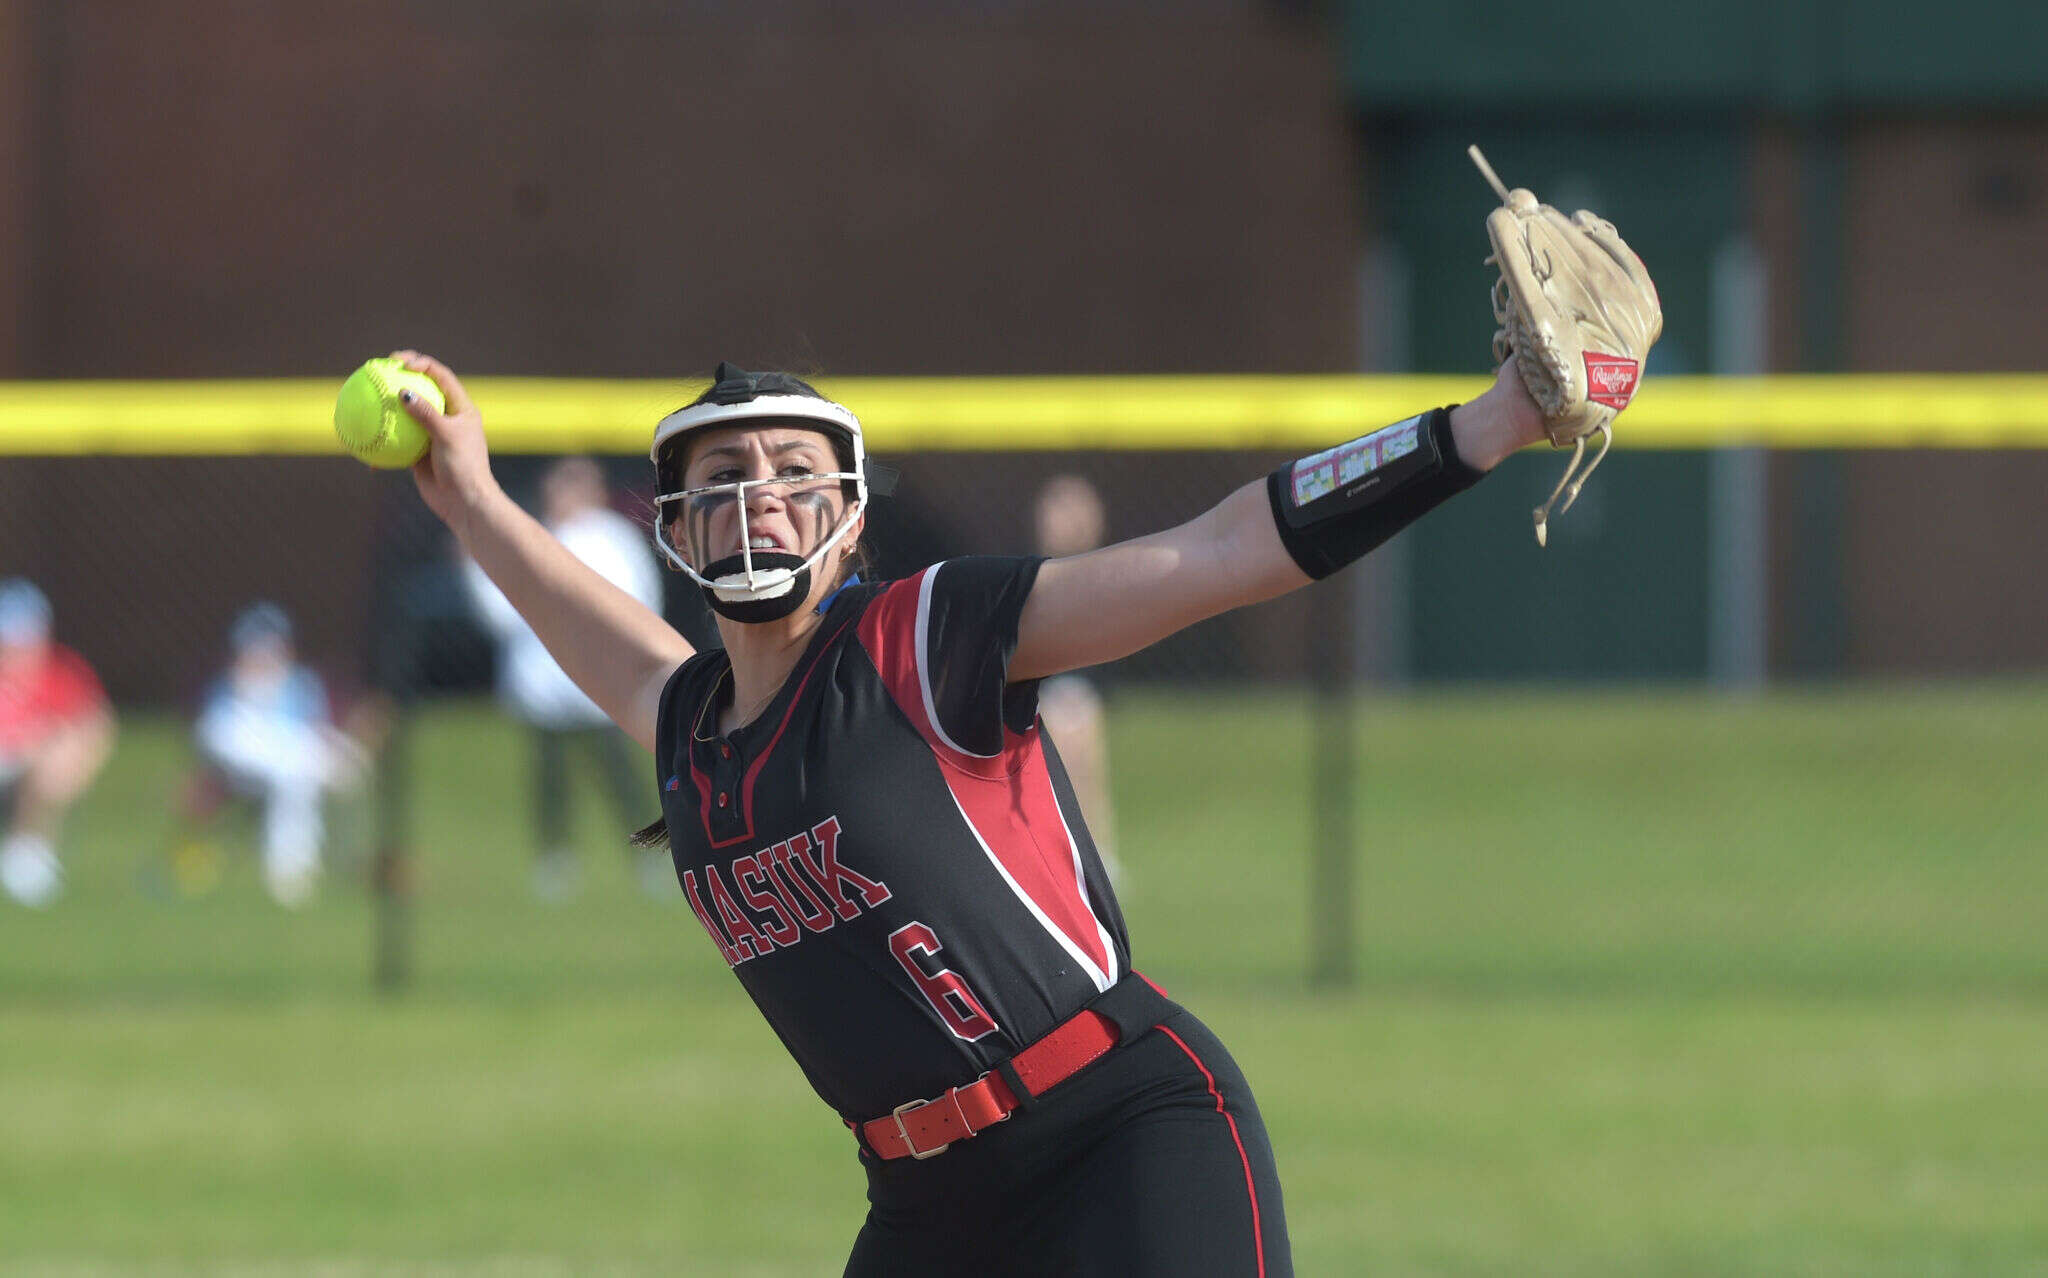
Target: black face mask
x,y
752,611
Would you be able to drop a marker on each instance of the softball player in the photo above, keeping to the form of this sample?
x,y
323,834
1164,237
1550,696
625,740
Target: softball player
x,y
867,821
267,731
1070,519
56,731
576,506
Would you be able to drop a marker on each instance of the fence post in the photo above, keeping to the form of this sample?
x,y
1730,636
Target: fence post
x,y
1333,772
398,664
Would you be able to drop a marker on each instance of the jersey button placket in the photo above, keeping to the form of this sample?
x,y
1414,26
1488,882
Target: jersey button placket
x,y
726,777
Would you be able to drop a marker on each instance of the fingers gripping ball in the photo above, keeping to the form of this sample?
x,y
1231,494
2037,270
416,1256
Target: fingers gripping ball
x,y
372,423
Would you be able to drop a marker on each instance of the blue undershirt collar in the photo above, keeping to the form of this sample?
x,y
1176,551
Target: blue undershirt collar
x,y
825,604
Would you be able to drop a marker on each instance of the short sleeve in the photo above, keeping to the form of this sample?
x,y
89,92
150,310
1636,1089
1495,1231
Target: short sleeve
x,y
74,689
616,549
309,703
968,612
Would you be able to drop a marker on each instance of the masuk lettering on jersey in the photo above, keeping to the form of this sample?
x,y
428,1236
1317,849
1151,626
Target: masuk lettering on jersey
x,y
890,856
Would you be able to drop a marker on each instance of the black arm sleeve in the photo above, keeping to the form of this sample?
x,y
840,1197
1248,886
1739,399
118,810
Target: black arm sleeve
x,y
1337,505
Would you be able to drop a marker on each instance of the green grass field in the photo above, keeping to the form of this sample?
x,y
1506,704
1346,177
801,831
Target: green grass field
x,y
1652,982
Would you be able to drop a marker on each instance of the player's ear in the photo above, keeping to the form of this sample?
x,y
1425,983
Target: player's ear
x,y
854,558
849,545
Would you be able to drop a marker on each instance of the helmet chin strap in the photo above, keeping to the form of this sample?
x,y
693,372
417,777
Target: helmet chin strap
x,y
730,597
754,586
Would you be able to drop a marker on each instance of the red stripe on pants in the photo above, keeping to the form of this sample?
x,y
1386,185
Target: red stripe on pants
x,y
1250,1189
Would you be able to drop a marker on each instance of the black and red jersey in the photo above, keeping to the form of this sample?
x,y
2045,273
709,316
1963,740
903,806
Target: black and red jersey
x,y
889,855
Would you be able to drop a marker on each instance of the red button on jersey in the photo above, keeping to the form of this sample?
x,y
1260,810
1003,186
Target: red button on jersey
x,y
723,798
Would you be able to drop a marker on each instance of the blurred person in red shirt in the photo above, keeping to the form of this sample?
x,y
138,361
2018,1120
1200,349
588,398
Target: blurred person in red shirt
x,y
56,730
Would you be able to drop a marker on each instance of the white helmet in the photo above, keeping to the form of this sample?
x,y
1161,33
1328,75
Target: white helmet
x,y
765,585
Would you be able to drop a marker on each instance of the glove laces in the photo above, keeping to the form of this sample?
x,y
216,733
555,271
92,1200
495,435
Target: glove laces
x,y
1571,494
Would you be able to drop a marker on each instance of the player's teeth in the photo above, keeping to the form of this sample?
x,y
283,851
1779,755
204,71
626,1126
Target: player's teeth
x,y
762,543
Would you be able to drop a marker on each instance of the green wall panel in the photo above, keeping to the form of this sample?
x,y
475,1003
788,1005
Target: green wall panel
x,y
1780,54
1468,52
1791,54
1623,589
1673,184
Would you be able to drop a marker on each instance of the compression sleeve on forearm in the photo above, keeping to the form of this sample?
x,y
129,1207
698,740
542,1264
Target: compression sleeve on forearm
x,y
1334,506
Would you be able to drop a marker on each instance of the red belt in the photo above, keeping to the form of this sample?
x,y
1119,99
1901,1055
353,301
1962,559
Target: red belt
x,y
920,1129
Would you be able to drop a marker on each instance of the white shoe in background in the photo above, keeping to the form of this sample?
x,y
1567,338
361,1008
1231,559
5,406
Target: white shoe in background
x,y
29,871
292,880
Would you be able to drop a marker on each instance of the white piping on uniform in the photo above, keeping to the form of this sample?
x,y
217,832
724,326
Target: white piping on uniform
x,y
1067,943
1102,980
924,681
1081,882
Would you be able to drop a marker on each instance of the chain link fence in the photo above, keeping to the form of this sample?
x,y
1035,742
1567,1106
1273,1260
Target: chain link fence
x,y
1635,810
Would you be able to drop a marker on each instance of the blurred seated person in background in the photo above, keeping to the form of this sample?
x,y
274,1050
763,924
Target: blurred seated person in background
x,y
1070,520
56,730
576,507
266,732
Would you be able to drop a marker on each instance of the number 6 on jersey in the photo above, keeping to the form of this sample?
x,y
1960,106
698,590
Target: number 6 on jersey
x,y
914,945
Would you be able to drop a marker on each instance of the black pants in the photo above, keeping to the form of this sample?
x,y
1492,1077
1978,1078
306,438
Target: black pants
x,y
604,746
1152,1161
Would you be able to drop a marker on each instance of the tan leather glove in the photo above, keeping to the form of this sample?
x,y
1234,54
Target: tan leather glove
x,y
1578,312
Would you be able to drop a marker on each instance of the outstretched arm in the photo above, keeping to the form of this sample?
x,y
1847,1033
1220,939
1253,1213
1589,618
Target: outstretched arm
x,y
619,651
1112,602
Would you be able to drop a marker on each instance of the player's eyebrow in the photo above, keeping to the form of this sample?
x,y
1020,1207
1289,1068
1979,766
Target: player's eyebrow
x,y
738,449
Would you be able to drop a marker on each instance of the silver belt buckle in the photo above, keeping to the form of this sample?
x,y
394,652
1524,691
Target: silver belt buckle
x,y
951,1093
904,1132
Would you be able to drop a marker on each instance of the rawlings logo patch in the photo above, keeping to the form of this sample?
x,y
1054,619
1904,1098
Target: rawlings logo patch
x,y
1611,379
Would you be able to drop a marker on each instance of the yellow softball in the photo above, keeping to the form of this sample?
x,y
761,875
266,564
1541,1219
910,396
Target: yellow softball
x,y
371,422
